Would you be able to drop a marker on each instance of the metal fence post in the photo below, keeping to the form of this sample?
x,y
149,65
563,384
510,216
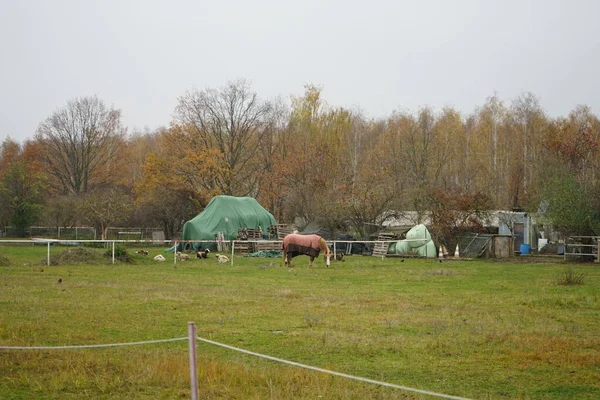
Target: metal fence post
x,y
113,252
48,257
175,253
192,353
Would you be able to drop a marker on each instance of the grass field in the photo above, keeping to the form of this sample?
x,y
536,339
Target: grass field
x,y
476,329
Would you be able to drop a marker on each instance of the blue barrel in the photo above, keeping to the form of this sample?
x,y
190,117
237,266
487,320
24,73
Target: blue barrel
x,y
525,248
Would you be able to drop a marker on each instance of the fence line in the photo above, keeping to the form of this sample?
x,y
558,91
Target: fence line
x,y
326,371
175,243
89,346
192,356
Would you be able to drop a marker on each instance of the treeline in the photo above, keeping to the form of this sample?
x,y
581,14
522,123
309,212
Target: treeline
x,y
306,159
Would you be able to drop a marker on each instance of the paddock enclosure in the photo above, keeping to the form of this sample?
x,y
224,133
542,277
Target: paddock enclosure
x,y
473,329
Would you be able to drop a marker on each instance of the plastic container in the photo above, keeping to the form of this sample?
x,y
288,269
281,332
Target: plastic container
x,y
525,249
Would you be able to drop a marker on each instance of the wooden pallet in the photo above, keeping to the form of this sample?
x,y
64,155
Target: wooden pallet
x,y
243,247
249,234
381,249
267,245
281,230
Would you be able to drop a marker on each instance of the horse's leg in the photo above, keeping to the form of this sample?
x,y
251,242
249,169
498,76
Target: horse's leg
x,y
288,260
310,264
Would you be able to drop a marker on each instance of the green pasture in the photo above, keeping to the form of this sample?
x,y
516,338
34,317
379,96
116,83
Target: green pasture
x,y
476,329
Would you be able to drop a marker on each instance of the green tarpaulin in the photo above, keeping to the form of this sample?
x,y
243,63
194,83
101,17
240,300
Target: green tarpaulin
x,y
418,242
227,214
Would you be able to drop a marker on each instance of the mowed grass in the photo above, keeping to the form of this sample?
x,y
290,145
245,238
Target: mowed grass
x,y
476,329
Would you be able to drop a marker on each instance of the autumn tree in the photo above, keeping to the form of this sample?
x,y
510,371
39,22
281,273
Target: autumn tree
x,y
139,145
573,142
455,212
80,145
314,161
459,162
370,195
62,211
167,208
493,147
297,156
177,164
105,207
416,150
176,180
10,152
527,124
231,121
269,154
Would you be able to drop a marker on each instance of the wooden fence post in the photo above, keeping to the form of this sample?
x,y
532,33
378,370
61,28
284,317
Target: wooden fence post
x,y
192,351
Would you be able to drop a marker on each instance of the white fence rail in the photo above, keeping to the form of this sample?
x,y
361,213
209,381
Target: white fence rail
x,y
229,246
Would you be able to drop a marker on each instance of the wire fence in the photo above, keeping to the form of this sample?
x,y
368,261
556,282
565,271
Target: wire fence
x,y
192,338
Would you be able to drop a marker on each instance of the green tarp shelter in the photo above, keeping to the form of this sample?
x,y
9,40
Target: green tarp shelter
x,y
227,214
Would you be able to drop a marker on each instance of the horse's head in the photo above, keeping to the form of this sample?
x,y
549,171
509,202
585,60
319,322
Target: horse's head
x,y
327,256
327,253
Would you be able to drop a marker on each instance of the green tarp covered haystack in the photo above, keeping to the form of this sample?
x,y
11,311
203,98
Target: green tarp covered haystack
x,y
227,214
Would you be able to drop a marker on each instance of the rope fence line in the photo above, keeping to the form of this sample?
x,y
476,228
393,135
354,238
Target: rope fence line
x,y
326,371
90,346
192,353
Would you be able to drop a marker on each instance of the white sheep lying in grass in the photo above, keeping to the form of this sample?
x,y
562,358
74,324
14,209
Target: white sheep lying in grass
x,y
182,256
159,257
222,259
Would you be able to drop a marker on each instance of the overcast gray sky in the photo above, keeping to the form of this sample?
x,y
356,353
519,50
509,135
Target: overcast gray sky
x,y
377,56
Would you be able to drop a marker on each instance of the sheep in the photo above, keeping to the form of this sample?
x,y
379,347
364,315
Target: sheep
x,y
182,256
159,257
202,253
339,256
222,259
142,252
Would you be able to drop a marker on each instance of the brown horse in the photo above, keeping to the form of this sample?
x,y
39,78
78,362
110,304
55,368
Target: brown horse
x,y
310,245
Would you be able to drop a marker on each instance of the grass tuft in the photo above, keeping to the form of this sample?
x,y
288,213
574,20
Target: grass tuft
x,y
4,261
569,277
